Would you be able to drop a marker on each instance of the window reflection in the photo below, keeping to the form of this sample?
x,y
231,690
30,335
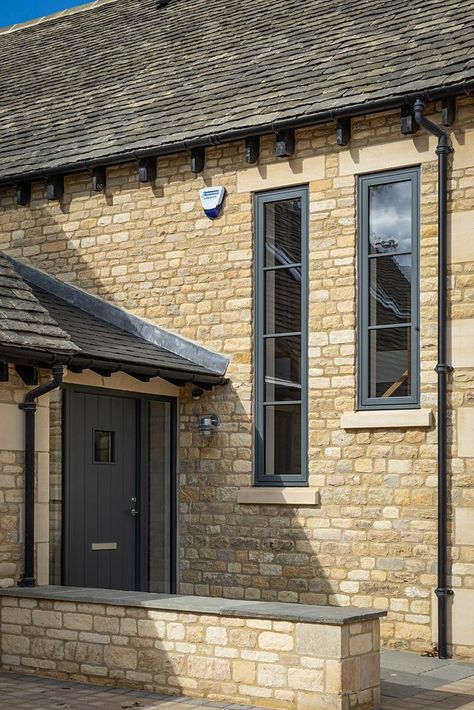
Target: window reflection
x,y
159,511
390,359
283,232
389,239
104,446
280,383
390,217
283,301
390,290
282,369
283,439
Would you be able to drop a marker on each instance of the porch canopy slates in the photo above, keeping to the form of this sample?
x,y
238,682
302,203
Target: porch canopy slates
x,y
38,326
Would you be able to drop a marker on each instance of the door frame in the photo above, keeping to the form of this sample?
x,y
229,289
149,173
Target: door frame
x,y
142,479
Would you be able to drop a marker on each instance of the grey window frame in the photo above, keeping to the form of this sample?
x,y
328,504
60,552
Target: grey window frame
x,y
260,200
365,402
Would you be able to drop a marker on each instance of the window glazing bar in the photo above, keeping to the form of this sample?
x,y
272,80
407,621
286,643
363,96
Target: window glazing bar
x,y
389,326
378,255
296,333
281,402
282,266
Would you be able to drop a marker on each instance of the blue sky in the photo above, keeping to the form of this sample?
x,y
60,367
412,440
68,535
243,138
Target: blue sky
x,y
12,11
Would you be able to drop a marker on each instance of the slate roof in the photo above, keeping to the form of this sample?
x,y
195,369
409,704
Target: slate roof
x,y
37,322
128,76
24,322
105,344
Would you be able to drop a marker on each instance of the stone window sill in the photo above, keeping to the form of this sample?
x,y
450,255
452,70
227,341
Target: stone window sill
x,y
388,419
278,496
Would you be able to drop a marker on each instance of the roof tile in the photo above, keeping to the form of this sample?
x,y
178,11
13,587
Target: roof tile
x,y
125,75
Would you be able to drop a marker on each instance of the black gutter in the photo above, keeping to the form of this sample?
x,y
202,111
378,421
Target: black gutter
x,y
443,150
29,406
465,88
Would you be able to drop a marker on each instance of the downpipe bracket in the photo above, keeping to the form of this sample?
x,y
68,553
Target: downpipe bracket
x,y
446,149
28,406
444,592
443,369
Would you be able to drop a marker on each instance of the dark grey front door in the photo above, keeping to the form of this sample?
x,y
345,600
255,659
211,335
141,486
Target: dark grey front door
x,y
101,490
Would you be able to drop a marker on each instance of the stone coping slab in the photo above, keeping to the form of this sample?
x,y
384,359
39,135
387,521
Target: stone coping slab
x,y
218,606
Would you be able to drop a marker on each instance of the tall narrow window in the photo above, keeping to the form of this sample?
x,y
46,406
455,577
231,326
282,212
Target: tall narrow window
x,y
281,337
388,290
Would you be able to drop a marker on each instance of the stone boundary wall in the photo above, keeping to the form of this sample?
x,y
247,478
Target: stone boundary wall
x,y
278,664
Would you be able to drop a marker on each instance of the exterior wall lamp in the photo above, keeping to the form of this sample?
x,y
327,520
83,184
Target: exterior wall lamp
x,y
208,424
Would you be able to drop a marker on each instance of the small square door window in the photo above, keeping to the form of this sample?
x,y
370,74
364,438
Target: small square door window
x,y
104,446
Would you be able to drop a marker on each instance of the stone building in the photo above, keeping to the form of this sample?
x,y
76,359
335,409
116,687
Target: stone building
x,y
243,405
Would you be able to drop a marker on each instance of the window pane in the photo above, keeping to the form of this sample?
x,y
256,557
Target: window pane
x,y
390,217
104,445
283,300
390,290
390,362
159,510
283,232
282,369
283,439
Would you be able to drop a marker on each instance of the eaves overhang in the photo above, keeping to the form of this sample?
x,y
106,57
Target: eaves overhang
x,y
304,120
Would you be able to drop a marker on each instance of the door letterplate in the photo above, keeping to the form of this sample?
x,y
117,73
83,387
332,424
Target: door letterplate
x,y
104,545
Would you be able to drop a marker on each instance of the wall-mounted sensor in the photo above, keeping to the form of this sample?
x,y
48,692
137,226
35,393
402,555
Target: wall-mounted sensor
x,y
212,199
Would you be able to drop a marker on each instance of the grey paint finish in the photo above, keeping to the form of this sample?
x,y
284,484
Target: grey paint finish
x,y
217,606
122,319
411,175
260,201
99,495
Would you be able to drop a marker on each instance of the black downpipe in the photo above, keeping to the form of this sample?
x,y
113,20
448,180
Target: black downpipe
x,y
29,406
443,150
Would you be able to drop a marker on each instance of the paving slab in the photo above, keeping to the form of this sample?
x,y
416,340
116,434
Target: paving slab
x,y
411,682
23,692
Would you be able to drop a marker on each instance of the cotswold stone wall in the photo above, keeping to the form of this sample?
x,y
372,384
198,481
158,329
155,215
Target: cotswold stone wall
x,y
277,664
12,446
372,539
11,480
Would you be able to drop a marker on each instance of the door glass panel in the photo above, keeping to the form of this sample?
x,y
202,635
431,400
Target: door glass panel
x,y
283,439
104,446
390,362
282,369
283,300
159,511
55,486
390,290
390,217
283,232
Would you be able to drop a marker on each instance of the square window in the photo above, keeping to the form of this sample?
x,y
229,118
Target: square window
x,y
104,446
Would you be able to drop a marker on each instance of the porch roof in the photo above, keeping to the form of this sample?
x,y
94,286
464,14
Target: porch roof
x,y
24,322
54,321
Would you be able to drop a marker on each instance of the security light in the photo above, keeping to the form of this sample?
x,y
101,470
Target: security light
x,y
208,424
